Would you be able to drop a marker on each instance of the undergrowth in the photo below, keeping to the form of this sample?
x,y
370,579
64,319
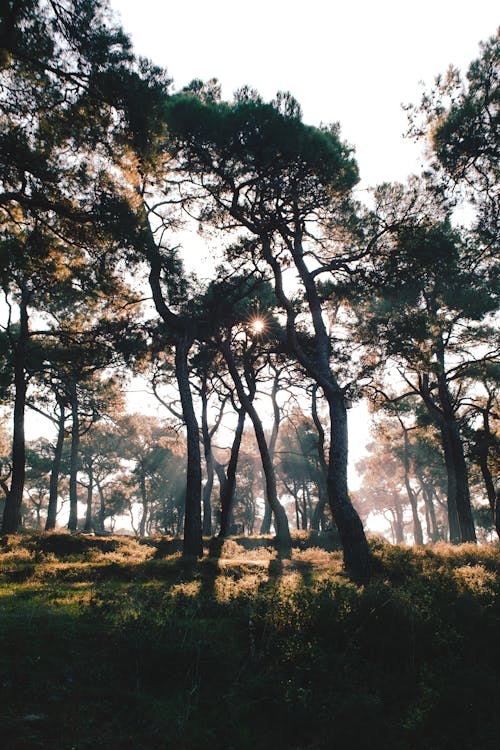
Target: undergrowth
x,y
118,643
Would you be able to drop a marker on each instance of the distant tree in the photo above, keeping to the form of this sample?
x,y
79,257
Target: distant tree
x,y
428,315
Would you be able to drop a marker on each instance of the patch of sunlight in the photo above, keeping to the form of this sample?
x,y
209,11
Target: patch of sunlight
x,y
314,555
187,588
475,578
227,588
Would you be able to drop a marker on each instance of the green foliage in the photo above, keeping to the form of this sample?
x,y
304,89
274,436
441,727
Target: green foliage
x,y
245,649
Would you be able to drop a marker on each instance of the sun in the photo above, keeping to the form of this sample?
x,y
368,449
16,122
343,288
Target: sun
x,y
257,325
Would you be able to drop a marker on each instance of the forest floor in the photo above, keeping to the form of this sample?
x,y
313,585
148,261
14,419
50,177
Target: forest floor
x,y
111,642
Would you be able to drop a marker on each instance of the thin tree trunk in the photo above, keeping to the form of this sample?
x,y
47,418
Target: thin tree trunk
x,y
101,515
12,512
228,486
434,534
144,498
74,457
193,543
283,537
268,515
209,463
90,493
418,536
50,524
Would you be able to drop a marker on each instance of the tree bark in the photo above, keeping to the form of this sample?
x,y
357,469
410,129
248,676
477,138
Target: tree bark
x,y
193,543
90,493
357,558
268,514
144,498
74,457
50,523
317,519
228,486
283,537
12,512
418,536
209,463
459,507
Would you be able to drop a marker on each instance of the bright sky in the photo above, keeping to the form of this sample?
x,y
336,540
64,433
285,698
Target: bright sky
x,y
353,61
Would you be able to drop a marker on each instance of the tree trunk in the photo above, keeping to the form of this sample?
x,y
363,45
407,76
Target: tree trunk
x,y
228,486
50,524
319,511
357,558
418,536
209,463
74,458
265,527
101,515
283,537
459,507
13,502
433,530
90,493
193,543
144,498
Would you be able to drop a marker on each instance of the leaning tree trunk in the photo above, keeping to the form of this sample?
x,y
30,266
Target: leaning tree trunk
x,y
418,536
12,512
283,537
50,523
265,527
357,558
74,458
229,483
193,542
318,517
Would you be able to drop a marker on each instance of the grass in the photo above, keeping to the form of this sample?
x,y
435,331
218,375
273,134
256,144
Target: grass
x,y
115,643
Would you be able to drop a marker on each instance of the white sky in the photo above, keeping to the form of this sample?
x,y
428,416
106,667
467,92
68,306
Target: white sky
x,y
352,61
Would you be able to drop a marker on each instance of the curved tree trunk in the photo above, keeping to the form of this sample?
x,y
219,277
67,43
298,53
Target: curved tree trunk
x,y
265,527
418,536
318,520
193,543
357,558
228,486
283,537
